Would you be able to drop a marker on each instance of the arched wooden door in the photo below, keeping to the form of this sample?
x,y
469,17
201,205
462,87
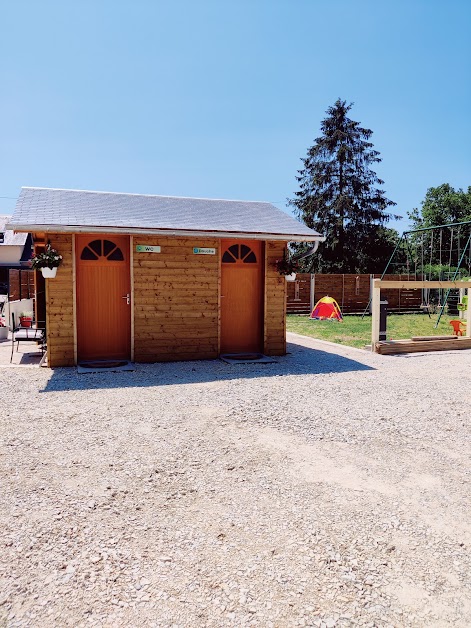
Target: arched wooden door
x,y
103,296
242,292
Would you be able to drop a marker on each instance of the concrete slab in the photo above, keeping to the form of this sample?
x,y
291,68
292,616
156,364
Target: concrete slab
x,y
28,354
104,366
246,358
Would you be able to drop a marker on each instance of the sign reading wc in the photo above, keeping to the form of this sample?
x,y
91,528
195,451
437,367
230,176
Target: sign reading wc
x,y
199,251
144,248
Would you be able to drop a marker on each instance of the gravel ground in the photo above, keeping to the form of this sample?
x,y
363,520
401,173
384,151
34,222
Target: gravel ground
x,y
329,489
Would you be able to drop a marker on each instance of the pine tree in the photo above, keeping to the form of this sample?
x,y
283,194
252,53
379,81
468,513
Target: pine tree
x,y
339,197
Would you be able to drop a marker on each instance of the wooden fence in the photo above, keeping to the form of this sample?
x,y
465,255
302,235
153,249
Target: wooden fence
x,y
352,293
21,284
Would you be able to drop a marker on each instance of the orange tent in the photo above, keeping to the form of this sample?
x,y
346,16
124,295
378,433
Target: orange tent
x,y
327,308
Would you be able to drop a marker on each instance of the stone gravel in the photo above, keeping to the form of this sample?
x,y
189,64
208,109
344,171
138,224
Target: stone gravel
x,y
329,489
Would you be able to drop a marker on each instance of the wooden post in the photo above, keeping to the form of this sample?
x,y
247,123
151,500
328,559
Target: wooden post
x,y
311,295
74,299
375,299
131,279
370,303
468,315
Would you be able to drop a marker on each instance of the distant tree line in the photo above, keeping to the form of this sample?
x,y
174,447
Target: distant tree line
x,y
441,250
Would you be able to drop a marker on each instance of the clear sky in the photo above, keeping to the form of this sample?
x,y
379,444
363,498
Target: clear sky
x,y
221,98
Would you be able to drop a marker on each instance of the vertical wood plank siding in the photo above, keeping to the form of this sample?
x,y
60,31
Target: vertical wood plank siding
x,y
60,306
176,300
275,301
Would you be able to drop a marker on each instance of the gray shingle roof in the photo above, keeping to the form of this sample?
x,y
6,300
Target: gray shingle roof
x,y
11,238
69,209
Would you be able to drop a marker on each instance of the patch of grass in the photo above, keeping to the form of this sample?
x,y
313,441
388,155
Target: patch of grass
x,y
356,332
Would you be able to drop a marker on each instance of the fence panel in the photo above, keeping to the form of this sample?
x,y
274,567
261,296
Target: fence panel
x,y
14,285
21,284
352,293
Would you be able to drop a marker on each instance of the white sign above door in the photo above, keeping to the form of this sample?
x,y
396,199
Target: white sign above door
x,y
145,248
201,251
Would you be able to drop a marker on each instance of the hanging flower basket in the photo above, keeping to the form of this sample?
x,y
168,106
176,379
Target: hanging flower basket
x,y
288,267
47,262
49,273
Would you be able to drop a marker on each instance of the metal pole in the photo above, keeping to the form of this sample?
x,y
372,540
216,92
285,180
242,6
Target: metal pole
x,y
451,224
384,272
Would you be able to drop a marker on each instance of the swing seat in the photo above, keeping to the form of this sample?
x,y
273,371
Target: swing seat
x,y
457,327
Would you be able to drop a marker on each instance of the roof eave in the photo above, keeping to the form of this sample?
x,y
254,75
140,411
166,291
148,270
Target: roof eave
x,y
292,237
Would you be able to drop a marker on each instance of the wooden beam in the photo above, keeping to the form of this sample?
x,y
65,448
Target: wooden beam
x,y
414,346
405,285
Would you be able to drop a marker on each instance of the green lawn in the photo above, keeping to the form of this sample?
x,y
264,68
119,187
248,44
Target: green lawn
x,y
357,332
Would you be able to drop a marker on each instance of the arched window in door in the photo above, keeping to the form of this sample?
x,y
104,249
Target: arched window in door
x,y
239,253
102,249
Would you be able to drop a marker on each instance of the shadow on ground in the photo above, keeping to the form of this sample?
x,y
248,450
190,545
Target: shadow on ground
x,y
299,361
24,354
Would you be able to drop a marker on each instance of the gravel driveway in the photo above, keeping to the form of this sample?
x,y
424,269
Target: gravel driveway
x,y
329,489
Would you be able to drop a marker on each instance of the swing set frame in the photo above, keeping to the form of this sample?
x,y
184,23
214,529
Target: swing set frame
x,y
429,343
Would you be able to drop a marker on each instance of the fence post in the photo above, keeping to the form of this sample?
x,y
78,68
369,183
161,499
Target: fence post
x,y
311,294
370,303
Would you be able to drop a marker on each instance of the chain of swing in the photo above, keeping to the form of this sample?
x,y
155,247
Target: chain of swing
x,y
412,259
441,300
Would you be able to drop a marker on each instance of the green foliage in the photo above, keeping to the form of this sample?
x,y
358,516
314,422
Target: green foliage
x,y
442,205
287,264
441,272
339,196
49,258
442,250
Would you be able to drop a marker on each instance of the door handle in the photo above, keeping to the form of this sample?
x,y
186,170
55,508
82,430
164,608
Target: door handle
x,y
128,298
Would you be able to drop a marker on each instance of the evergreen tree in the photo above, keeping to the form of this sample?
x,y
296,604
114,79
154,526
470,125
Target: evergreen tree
x,y
339,197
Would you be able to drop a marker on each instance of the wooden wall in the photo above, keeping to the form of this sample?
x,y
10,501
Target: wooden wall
x,y
176,302
60,306
175,299
275,301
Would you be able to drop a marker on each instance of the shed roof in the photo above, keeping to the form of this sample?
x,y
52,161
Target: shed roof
x,y
10,238
46,209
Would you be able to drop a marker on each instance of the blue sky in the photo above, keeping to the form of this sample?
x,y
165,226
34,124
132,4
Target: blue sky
x,y
222,99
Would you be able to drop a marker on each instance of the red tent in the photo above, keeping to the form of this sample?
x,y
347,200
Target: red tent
x,y
327,308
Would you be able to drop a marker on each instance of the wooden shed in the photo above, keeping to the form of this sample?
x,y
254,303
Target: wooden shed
x,y
156,278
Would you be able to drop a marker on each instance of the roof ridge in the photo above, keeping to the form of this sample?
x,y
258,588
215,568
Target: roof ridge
x,y
195,198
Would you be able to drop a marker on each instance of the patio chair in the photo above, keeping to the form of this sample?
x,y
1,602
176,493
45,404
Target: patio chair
x,y
36,333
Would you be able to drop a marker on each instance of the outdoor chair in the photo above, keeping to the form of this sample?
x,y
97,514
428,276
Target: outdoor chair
x,y
36,333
